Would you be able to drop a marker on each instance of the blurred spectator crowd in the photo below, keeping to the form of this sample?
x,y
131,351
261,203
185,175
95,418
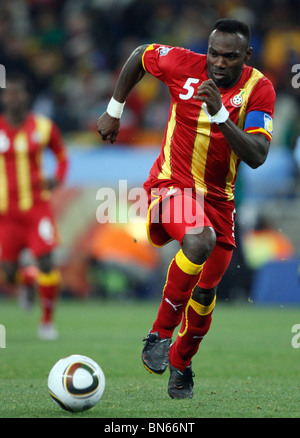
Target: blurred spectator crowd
x,y
73,51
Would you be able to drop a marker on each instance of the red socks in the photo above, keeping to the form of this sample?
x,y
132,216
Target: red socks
x,y
195,324
182,277
48,289
178,305
27,276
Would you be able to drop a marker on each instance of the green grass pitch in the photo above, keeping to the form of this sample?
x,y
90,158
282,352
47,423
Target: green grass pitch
x,y
246,366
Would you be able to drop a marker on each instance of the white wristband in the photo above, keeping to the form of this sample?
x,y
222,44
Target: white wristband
x,y
221,116
115,108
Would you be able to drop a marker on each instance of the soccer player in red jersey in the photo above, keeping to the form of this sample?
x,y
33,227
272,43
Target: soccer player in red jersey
x,y
221,113
26,219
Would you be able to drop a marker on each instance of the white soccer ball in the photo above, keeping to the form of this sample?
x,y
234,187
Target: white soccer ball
x,y
76,383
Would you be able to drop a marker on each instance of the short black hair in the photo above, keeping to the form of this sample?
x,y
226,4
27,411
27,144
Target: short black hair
x,y
229,25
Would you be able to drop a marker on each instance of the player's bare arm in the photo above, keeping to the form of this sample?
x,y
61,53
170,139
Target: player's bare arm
x,y
131,74
250,148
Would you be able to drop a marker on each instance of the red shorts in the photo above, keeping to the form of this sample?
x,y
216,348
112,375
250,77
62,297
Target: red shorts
x,y
172,204
33,229
173,212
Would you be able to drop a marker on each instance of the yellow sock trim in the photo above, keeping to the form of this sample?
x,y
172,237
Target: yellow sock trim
x,y
51,278
186,265
182,333
200,309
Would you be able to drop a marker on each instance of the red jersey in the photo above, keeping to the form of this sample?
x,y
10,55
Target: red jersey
x,y
21,174
194,153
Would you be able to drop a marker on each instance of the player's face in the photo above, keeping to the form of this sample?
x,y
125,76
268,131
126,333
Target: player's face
x,y
226,56
15,96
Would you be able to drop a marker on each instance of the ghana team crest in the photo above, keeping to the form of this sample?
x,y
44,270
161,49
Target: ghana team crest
x,y
238,99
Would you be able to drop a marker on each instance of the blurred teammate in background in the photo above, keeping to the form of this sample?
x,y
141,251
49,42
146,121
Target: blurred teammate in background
x,y
26,219
221,113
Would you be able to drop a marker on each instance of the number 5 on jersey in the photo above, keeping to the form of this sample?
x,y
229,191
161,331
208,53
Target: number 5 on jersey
x,y
190,89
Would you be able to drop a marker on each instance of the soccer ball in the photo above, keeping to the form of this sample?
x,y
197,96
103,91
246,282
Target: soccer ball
x,y
76,383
